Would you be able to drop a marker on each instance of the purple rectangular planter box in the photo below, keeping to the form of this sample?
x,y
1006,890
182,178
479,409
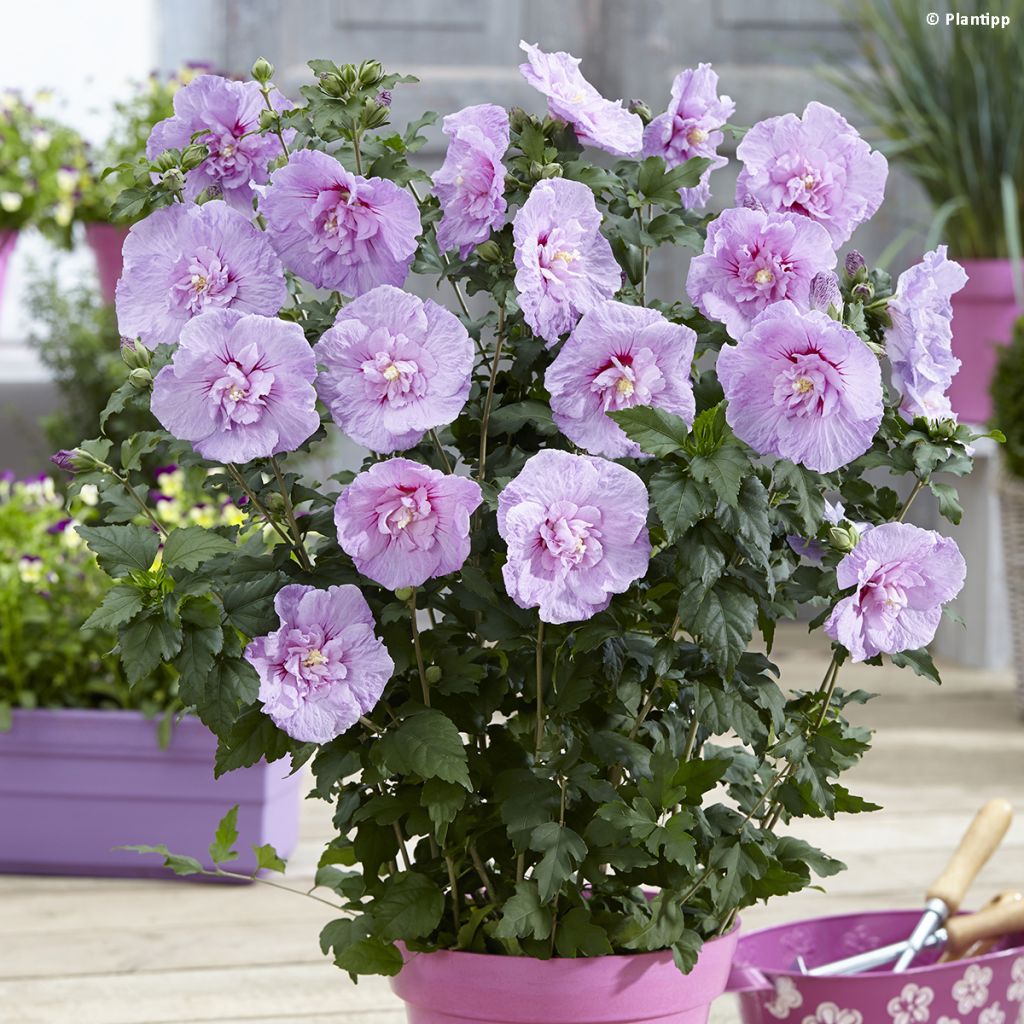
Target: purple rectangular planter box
x,y
76,783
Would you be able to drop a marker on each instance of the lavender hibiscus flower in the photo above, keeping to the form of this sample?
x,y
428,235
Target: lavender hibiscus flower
x,y
238,387
691,127
801,386
183,260
340,230
225,117
564,265
753,258
596,121
816,165
394,368
576,530
903,576
619,356
919,343
471,182
324,667
403,523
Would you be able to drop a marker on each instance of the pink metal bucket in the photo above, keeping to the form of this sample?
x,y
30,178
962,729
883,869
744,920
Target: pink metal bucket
x,y
474,988
984,311
106,242
985,990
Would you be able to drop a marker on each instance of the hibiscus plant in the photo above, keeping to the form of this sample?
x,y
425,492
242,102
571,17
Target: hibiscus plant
x,y
526,650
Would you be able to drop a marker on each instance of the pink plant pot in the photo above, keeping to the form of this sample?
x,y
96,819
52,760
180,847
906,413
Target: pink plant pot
x,y
985,990
8,240
76,783
106,242
984,311
473,988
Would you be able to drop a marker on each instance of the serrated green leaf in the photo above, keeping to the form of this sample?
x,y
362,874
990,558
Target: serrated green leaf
x,y
176,862
370,956
949,501
121,549
804,490
428,745
524,915
188,547
120,605
577,935
268,858
678,500
563,850
146,643
409,907
222,848
724,470
656,431
920,661
723,617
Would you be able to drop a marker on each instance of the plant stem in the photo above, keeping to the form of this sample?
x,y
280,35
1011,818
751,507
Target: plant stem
x,y
419,650
276,885
489,400
539,663
277,131
356,137
481,870
691,737
143,507
259,506
918,487
298,546
441,451
454,883
643,260
401,846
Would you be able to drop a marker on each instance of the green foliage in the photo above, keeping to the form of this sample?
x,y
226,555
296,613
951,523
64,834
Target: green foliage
x,y
521,788
1008,400
946,98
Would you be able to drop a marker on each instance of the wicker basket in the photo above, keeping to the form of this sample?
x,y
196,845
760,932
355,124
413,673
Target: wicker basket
x,y
1011,508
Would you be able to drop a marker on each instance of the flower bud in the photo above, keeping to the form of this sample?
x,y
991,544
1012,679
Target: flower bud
x,y
76,460
140,378
404,593
166,161
348,76
551,171
489,251
370,73
193,155
753,203
641,109
373,115
863,291
268,119
844,538
384,98
518,119
854,263
173,179
433,674
536,169
825,294
262,70
332,84
64,459
275,503
135,355
943,430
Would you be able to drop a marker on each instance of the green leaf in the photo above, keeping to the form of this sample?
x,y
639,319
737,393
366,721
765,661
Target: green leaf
x,y
252,737
804,490
189,546
577,935
178,864
231,684
202,639
524,915
949,501
748,521
268,858
656,431
443,801
920,661
249,607
678,500
563,850
410,907
120,549
370,956
511,418
147,642
724,470
428,745
120,604
224,839
723,617
685,951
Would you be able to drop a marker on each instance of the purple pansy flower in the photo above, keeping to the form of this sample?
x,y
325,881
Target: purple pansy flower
x,y
471,182
324,667
239,387
403,523
576,530
394,368
919,343
340,230
226,117
751,259
564,265
801,386
691,127
596,121
903,576
816,165
183,260
619,356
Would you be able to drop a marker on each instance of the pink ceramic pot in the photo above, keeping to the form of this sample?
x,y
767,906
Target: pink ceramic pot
x,y
106,242
984,311
8,240
985,990
472,988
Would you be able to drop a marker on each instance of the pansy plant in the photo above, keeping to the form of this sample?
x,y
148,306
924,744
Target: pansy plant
x,y
526,649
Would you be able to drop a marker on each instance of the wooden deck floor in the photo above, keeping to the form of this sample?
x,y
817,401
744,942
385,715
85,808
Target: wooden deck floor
x,y
83,951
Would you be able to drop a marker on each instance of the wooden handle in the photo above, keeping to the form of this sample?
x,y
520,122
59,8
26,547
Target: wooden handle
x,y
1001,917
979,842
